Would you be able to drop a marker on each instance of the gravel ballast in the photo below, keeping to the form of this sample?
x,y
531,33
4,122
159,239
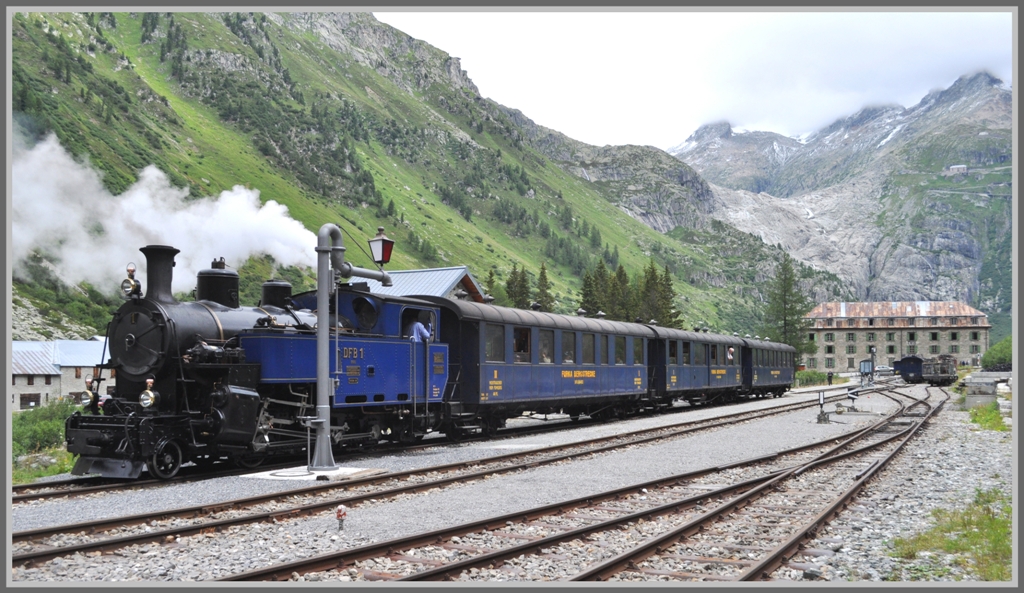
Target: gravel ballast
x,y
941,468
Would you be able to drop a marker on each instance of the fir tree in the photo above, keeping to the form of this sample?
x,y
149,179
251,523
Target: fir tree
x,y
785,318
543,294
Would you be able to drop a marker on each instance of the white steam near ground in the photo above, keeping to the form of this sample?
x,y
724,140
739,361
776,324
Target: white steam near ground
x,y
61,207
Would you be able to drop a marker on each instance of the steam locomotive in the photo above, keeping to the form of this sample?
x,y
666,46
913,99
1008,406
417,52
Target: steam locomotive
x,y
213,380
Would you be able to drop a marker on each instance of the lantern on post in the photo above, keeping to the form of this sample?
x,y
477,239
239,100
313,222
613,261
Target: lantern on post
x,y
380,247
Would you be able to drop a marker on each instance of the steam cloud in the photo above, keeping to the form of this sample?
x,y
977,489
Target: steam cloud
x,y
60,207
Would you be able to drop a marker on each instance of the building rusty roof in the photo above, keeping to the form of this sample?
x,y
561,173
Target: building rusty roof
x,y
896,309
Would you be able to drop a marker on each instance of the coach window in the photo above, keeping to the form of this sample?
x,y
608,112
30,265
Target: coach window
x,y
638,350
521,344
494,345
673,352
569,347
700,354
686,353
620,349
547,345
588,349
605,354
714,355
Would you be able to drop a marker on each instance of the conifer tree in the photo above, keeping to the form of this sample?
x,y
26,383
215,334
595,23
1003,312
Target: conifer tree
x,y
543,294
517,288
785,313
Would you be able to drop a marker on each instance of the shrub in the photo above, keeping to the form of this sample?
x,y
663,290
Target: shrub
x,y
36,429
811,378
1001,353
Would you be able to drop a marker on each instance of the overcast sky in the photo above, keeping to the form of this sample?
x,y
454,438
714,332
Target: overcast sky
x,y
652,78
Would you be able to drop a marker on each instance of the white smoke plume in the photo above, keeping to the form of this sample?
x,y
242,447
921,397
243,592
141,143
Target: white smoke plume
x,y
59,203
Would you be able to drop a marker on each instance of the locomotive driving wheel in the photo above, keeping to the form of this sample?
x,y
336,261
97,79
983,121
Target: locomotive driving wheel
x,y
166,461
248,461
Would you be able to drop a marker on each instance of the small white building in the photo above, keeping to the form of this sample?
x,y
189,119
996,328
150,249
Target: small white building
x,y
957,169
42,372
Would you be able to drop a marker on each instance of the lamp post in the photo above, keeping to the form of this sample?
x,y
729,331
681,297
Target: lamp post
x,y
380,247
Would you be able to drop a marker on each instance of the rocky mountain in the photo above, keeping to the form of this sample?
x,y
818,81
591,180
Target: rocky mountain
x,y
877,197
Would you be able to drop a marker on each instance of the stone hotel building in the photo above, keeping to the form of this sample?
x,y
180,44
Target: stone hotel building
x,y
845,332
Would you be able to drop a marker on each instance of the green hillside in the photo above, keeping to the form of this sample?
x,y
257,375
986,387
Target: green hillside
x,y
220,99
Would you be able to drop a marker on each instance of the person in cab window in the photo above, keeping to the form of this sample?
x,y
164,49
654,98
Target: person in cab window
x,y
417,331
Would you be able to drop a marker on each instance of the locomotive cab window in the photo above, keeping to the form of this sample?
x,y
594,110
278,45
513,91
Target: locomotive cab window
x,y
366,313
588,349
568,347
494,343
673,352
521,344
620,349
546,347
638,350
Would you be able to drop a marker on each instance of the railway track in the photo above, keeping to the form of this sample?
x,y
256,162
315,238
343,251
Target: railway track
x,y
39,545
73,487
744,521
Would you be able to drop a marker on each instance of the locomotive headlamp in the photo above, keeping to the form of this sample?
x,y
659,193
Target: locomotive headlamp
x,y
86,398
148,398
130,285
380,247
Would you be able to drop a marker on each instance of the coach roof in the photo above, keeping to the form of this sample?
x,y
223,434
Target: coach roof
x,y
471,311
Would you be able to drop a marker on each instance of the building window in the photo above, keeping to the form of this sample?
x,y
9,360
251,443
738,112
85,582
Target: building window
x,y
911,321
46,379
871,336
954,336
31,380
974,321
828,322
933,349
851,349
975,336
912,336
935,321
849,363
911,349
812,363
892,322
890,349
975,349
851,323
14,379
29,400
890,336
871,322
810,337
933,336
830,363
78,372
954,349
851,337
830,337
830,349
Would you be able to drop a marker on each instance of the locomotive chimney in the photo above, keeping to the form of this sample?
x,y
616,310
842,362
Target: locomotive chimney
x,y
159,261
